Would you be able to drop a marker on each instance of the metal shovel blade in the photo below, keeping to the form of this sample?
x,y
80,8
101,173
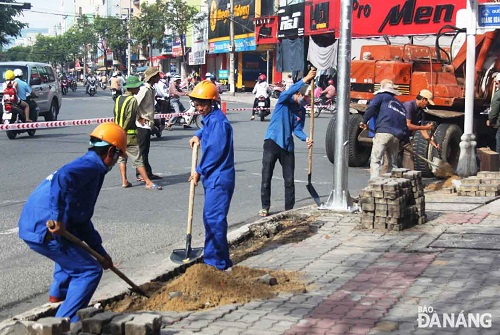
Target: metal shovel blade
x,y
313,192
183,256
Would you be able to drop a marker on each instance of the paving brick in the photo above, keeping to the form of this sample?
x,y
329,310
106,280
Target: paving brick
x,y
88,312
50,326
143,324
96,323
116,325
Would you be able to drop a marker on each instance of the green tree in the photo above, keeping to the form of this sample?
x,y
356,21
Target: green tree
x,y
149,28
180,17
19,53
8,26
114,32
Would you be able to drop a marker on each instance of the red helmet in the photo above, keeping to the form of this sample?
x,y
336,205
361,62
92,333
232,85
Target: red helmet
x,y
262,77
162,75
330,82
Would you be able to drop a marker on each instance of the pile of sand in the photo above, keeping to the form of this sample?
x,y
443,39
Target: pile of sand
x,y
436,186
203,286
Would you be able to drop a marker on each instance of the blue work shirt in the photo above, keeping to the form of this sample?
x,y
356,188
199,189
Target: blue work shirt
x,y
23,89
217,161
390,114
68,195
287,117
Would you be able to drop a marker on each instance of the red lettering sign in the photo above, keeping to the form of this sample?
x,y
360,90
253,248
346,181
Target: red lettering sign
x,y
266,30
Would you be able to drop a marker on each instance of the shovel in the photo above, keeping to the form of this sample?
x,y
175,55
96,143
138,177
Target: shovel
x,y
75,240
188,255
440,169
309,185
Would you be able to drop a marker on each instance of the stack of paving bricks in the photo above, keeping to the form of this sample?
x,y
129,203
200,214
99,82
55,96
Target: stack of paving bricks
x,y
485,184
394,201
94,321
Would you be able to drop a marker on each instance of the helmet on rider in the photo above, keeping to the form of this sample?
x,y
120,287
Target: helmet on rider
x,y
109,133
115,74
177,77
9,75
205,90
330,82
18,72
262,77
208,75
162,75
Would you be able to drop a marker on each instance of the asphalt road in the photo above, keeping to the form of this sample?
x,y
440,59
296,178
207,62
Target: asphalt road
x,y
139,227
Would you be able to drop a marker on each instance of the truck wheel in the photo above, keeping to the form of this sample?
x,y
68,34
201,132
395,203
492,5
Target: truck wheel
x,y
358,154
421,147
448,137
330,139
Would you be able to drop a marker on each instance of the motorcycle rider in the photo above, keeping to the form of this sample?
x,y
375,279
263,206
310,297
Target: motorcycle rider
x,y
104,80
328,93
10,80
23,92
117,83
261,89
91,80
211,77
175,94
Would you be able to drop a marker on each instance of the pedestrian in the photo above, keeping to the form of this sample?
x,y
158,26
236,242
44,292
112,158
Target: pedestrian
x,y
288,117
68,197
126,116
145,119
390,127
216,169
494,114
415,121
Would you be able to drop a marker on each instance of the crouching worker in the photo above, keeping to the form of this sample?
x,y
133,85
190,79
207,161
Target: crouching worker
x,y
68,197
216,169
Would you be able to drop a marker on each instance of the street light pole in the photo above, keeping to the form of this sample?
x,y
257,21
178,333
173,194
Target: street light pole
x,y
129,46
231,49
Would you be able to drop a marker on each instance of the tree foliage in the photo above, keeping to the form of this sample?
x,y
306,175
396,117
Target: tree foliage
x,y
15,53
149,27
114,32
9,27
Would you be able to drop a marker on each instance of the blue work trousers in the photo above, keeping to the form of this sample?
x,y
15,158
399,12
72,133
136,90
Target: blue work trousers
x,y
216,207
76,275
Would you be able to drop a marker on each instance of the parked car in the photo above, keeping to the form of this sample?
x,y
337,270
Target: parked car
x,y
43,80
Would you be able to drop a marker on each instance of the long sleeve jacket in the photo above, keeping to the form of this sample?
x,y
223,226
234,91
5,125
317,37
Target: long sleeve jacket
x,y
390,114
146,103
216,166
68,195
287,118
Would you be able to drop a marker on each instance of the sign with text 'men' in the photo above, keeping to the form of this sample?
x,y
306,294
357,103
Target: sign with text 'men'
x,y
488,15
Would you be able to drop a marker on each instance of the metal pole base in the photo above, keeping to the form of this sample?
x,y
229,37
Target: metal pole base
x,y
467,163
339,203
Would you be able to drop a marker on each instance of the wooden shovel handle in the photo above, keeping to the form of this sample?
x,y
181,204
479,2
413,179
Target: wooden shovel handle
x,y
192,186
75,240
311,130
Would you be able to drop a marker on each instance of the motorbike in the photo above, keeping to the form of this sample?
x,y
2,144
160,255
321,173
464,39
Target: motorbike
x,y
103,85
64,86
161,107
277,88
320,105
92,88
186,120
262,108
73,85
115,93
12,114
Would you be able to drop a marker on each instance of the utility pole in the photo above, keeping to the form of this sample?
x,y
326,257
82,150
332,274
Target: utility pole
x,y
129,46
231,49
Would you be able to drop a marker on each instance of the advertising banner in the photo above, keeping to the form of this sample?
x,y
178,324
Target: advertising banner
x,y
320,17
240,44
266,30
291,21
218,18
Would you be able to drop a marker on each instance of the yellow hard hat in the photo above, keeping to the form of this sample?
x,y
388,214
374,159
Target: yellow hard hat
x,y
113,134
205,90
9,75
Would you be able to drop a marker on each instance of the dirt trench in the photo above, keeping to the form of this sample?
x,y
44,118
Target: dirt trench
x,y
201,286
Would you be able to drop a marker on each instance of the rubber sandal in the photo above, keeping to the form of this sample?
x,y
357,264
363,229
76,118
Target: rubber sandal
x,y
140,180
127,185
154,187
263,212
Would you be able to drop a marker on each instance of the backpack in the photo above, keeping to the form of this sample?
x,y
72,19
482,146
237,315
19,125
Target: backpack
x,y
9,96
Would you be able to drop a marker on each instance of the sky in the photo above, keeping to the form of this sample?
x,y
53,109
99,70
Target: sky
x,y
42,13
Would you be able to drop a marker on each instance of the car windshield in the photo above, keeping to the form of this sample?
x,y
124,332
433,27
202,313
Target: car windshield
x,y
4,68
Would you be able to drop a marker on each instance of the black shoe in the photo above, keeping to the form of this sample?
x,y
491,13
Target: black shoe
x,y
154,177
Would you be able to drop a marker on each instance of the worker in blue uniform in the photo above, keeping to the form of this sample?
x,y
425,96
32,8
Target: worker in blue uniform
x,y
68,197
288,118
216,168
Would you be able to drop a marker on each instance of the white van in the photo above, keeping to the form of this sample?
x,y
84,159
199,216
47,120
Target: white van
x,y
43,81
